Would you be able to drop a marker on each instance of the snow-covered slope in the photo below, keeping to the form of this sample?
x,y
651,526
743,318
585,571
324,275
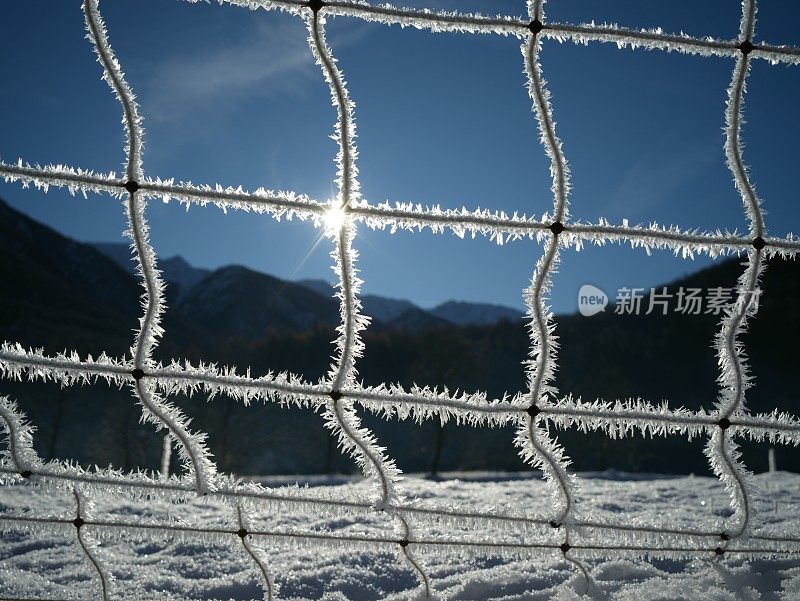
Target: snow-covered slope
x,y
36,566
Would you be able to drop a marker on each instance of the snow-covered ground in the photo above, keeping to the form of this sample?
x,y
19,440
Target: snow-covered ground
x,y
51,566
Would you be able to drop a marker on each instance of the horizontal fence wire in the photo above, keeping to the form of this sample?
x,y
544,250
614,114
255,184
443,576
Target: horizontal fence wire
x,y
620,417
403,215
533,411
133,526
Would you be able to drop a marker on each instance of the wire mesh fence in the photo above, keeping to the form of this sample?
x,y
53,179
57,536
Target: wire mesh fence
x,y
533,412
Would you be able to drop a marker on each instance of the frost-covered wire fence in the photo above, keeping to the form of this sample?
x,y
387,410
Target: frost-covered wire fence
x,y
564,528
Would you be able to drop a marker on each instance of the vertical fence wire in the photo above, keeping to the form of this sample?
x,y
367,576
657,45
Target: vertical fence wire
x,y
337,396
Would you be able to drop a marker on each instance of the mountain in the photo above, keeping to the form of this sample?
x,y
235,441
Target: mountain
x,y
379,308
386,313
60,294
181,278
182,275
321,287
391,311
475,314
234,301
119,252
416,320
406,315
237,302
179,275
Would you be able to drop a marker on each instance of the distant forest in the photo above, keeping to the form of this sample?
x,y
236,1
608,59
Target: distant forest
x,y
59,294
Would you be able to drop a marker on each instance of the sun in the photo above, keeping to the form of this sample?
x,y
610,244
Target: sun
x,y
333,219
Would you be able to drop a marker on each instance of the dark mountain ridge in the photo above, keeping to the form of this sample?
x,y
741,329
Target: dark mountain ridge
x,y
60,294
385,312
237,302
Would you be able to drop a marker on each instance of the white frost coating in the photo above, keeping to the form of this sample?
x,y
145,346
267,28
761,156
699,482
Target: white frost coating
x,y
536,565
166,455
422,18
472,23
362,445
283,387
589,536
421,403
427,19
89,548
153,303
537,90
623,418
733,126
277,204
113,75
339,413
293,7
541,365
56,478
649,39
19,453
153,296
406,535
536,446
345,128
193,451
536,10
192,448
724,456
416,564
66,368
258,556
538,449
534,442
496,225
349,343
74,179
734,378
391,401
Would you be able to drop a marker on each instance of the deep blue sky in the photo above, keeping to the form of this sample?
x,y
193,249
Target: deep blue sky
x,y
233,96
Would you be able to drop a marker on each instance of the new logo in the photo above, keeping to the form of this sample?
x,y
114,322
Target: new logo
x,y
591,300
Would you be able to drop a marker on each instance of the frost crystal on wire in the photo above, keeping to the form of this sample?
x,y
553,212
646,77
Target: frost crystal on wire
x,y
536,412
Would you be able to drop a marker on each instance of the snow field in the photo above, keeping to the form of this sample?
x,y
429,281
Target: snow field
x,y
161,566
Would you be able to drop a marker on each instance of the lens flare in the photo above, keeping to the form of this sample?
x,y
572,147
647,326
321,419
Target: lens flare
x,y
333,219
